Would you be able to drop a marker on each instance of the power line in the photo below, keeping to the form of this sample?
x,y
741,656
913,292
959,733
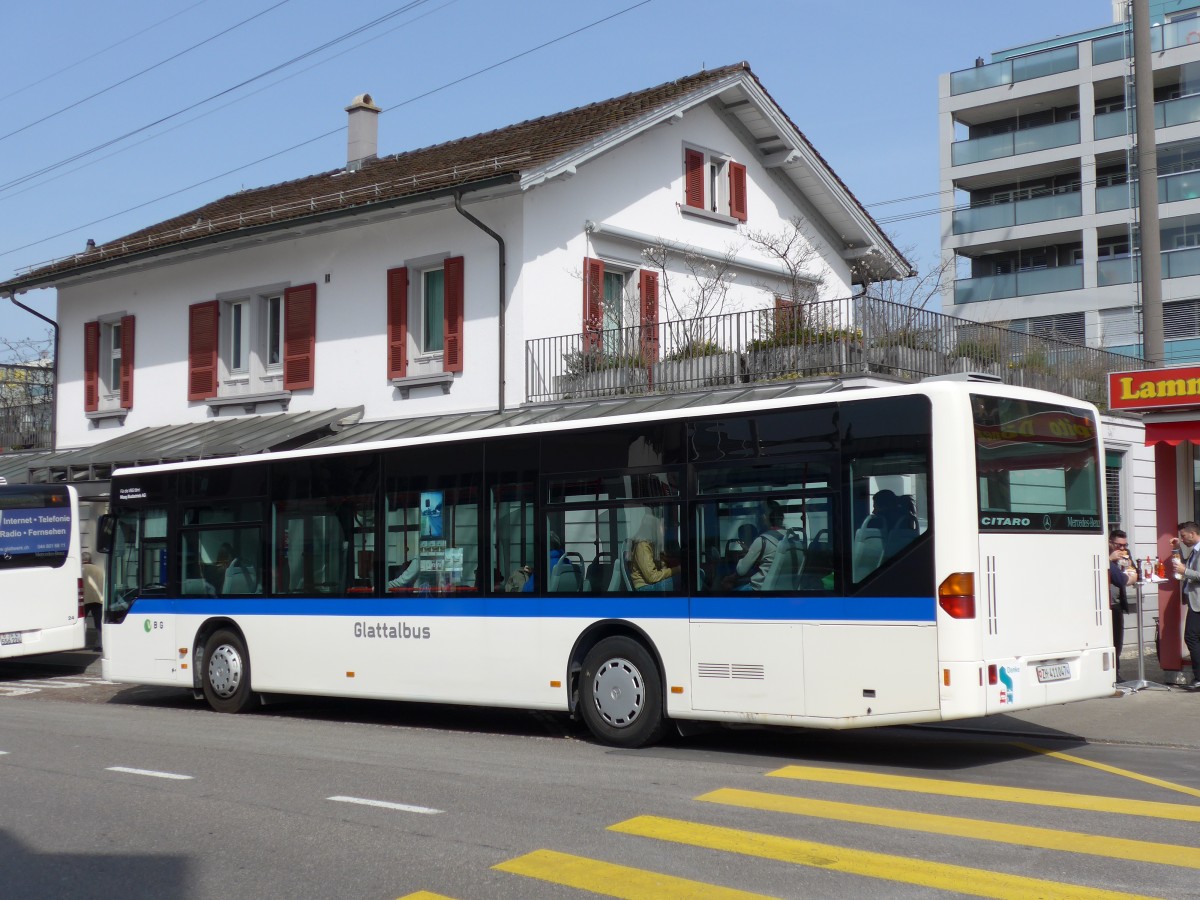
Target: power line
x,y
326,134
163,62
92,56
84,153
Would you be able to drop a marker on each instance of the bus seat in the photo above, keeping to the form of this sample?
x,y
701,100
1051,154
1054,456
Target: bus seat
x,y
198,587
598,573
867,552
906,528
784,574
564,577
625,582
239,580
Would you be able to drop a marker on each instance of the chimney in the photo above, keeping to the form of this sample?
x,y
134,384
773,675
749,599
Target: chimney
x,y
362,133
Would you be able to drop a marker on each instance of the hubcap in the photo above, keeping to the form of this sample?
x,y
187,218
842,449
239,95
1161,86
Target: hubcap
x,y
225,671
619,692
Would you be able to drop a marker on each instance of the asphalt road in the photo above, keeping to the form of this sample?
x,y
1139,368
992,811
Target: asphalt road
x,y
111,790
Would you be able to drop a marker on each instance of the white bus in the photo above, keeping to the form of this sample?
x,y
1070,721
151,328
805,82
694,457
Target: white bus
x,y
937,552
41,588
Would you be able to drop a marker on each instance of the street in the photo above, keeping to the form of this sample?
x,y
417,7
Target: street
x,y
138,792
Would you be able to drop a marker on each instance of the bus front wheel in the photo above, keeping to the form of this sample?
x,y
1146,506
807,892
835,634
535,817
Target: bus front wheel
x,y
227,673
621,694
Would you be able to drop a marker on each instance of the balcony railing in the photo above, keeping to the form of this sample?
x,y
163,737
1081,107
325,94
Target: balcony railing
x,y
1021,212
1018,284
1171,189
1012,143
859,336
1180,111
1181,263
25,427
1020,68
1162,37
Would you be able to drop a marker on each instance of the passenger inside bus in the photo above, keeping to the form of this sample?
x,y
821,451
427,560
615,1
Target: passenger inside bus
x,y
760,555
648,567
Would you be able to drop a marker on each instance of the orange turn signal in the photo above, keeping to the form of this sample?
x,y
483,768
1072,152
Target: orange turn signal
x,y
956,595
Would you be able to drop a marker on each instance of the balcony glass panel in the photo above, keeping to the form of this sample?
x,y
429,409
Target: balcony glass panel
x,y
1181,263
1177,112
1114,196
1047,62
1116,271
1052,206
1047,281
1112,124
1180,186
981,218
994,146
1110,49
978,149
1060,134
981,77
989,287
1177,34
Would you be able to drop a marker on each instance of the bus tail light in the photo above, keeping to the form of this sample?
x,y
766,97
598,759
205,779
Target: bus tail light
x,y
993,674
956,595
80,586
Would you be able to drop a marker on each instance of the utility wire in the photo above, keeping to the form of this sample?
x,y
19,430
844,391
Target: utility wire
x,y
326,134
135,75
110,142
90,57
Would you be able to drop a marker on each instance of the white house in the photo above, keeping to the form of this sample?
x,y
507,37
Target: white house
x,y
408,285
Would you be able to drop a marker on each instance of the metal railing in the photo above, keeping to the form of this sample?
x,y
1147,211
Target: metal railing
x,y
857,336
25,426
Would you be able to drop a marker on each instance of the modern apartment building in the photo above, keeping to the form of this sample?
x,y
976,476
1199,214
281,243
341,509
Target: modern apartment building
x,y
1038,156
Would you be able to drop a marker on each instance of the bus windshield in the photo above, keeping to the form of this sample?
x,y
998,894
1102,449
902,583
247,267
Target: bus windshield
x,y
35,527
1036,466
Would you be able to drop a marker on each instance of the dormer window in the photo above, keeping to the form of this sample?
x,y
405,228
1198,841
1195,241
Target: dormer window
x,y
714,183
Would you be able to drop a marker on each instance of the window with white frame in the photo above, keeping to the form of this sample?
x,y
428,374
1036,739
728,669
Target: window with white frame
x,y
252,341
714,182
108,364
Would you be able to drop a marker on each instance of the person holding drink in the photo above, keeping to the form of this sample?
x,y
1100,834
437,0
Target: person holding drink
x,y
1121,573
1186,563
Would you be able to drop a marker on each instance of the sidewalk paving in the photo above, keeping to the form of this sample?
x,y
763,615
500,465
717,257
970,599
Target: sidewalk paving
x,y
1162,714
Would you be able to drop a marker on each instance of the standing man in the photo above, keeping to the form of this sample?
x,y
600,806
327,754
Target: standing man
x,y
93,592
1187,568
1120,574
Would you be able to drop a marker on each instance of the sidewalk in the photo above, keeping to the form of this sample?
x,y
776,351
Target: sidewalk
x,y
1154,716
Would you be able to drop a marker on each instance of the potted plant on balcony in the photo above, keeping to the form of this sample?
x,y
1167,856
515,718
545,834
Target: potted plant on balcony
x,y
905,351
595,373
979,351
696,364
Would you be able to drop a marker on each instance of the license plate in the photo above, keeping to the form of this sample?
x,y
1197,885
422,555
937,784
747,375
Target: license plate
x,y
1059,672
12,637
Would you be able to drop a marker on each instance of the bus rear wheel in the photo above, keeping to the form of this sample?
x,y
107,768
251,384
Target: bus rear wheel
x,y
621,696
227,673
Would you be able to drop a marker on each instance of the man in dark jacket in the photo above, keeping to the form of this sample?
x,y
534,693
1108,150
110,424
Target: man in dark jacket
x,y
1120,574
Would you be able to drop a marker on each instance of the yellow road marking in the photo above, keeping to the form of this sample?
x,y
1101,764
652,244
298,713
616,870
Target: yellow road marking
x,y
425,895
943,876
1113,770
1175,811
1024,835
613,880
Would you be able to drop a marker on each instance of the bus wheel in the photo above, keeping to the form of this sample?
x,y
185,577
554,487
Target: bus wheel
x,y
621,694
227,673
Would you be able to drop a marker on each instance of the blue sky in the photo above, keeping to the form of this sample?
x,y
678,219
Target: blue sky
x,y
859,79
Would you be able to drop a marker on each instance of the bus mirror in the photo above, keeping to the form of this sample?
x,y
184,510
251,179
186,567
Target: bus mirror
x,y
104,533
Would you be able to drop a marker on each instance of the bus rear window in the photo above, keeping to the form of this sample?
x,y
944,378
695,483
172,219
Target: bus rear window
x,y
1037,467
35,527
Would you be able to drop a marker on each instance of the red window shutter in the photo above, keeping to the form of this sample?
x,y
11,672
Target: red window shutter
x,y
593,303
126,362
202,349
693,178
299,337
397,322
648,290
737,191
91,366
452,310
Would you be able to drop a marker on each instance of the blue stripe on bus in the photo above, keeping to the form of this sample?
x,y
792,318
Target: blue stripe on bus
x,y
736,606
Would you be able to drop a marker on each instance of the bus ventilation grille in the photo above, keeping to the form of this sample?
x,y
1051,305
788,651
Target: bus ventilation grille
x,y
731,670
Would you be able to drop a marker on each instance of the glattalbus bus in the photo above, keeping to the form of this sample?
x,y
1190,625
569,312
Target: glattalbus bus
x,y
938,553
41,584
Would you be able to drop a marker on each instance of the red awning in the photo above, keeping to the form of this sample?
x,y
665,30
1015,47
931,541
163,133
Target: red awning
x,y
1172,432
